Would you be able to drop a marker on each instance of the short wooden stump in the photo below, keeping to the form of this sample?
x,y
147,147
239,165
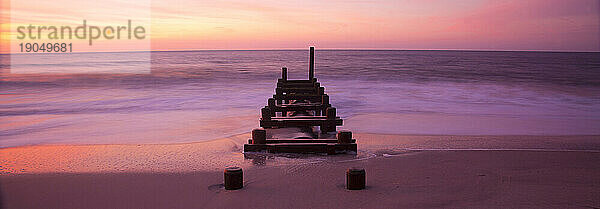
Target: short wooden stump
x,y
234,178
259,136
344,137
355,178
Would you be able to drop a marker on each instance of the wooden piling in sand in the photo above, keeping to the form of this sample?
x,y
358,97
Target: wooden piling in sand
x,y
355,179
233,178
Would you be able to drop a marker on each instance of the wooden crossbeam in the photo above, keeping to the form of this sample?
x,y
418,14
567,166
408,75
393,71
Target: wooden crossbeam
x,y
280,80
298,87
279,141
329,148
293,85
309,90
327,122
300,122
300,117
295,81
298,107
310,97
298,84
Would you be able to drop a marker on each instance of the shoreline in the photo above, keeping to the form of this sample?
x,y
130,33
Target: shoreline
x,y
248,134
403,171
216,154
421,179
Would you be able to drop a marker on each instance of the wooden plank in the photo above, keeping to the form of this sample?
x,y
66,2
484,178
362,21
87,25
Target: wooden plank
x,y
299,148
308,105
279,141
300,122
305,90
302,148
301,117
310,97
295,85
298,107
313,141
294,81
308,121
301,90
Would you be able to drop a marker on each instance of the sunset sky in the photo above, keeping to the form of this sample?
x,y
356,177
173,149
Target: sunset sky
x,y
272,24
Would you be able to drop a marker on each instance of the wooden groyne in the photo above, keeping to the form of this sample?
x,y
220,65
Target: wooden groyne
x,y
300,104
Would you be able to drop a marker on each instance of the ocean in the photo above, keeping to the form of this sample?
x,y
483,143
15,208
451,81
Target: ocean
x,y
192,96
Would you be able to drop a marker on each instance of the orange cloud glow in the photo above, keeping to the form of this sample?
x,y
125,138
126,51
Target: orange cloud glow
x,y
381,24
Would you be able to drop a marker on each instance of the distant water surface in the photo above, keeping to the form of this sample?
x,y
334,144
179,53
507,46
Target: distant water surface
x,y
202,95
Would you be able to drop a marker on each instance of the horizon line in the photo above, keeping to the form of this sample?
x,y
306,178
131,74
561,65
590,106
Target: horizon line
x,y
322,49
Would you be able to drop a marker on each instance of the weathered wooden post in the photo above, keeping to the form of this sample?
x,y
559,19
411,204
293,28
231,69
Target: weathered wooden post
x,y
279,94
271,104
329,124
259,136
331,114
265,113
344,137
325,99
311,66
324,104
355,178
316,86
233,178
284,74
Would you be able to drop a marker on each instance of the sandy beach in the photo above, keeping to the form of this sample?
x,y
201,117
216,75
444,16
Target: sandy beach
x,y
416,172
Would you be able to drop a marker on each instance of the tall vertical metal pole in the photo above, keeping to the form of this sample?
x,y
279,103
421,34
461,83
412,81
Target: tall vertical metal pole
x,y
311,66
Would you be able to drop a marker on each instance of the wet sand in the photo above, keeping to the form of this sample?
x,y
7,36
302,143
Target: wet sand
x,y
402,171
